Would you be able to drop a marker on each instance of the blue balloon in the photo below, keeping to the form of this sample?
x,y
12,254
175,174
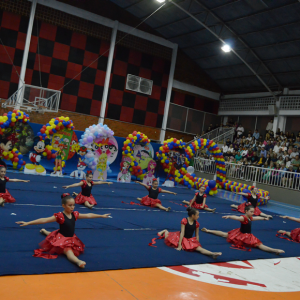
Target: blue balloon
x,y
212,184
126,151
54,130
56,122
20,156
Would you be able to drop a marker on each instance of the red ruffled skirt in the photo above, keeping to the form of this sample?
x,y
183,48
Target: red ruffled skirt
x,y
56,243
242,239
198,206
147,201
187,244
80,199
295,235
241,208
7,197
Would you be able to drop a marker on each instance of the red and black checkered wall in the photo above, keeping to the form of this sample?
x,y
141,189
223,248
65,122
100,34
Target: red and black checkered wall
x,y
64,53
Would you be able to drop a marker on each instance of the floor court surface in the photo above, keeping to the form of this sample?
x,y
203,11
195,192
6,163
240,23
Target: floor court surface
x,y
122,243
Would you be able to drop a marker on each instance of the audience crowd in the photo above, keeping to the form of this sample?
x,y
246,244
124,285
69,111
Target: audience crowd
x,y
273,152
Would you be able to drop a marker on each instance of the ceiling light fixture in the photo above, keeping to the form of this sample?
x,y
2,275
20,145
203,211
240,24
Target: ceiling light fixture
x,y
226,48
160,1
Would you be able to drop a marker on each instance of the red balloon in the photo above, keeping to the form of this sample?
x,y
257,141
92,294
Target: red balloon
x,y
53,155
24,163
42,130
12,124
16,159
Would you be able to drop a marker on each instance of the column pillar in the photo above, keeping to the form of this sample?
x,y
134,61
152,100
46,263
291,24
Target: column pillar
x,y
25,54
108,71
168,97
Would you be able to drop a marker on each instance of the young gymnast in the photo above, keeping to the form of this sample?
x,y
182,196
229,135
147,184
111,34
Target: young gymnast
x,y
5,196
199,200
253,199
242,237
86,197
295,233
63,240
184,239
151,199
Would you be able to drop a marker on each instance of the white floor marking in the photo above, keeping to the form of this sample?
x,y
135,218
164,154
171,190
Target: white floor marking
x,y
272,275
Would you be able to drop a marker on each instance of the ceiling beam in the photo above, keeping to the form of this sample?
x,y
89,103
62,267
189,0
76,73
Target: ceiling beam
x,y
241,64
133,4
228,28
241,35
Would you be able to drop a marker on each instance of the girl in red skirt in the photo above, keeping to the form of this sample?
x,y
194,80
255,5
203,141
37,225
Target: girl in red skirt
x,y
242,237
199,200
63,240
253,198
5,196
294,234
184,239
151,199
86,197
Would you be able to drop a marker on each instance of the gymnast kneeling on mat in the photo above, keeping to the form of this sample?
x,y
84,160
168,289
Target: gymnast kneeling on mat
x,y
295,233
242,237
199,200
151,199
184,239
63,240
5,196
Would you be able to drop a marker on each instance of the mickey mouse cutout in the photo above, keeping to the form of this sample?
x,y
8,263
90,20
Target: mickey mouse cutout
x,y
35,157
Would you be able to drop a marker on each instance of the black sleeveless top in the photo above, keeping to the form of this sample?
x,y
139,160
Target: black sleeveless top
x,y
153,194
3,184
86,190
246,225
199,199
189,229
252,200
67,229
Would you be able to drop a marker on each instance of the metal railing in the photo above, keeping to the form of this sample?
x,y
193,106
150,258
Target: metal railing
x,y
253,174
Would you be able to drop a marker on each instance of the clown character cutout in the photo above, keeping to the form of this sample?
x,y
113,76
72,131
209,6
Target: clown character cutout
x,y
102,167
149,176
125,175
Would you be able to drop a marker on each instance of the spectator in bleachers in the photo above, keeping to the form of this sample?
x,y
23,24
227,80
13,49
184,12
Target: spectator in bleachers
x,y
225,150
254,158
263,151
296,163
274,157
249,138
287,162
256,134
238,156
268,159
277,147
260,162
294,153
228,142
292,137
269,146
240,130
270,125
285,154
297,142
280,160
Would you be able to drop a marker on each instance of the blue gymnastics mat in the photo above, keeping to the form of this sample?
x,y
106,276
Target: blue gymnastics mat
x,y
120,242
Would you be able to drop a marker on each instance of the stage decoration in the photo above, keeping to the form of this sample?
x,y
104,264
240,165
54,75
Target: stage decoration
x,y
236,187
132,140
124,174
12,136
98,149
79,173
175,158
59,130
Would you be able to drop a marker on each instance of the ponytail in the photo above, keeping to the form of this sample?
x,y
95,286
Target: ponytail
x,y
191,211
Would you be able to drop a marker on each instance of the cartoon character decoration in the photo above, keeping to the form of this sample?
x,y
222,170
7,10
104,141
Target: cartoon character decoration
x,y
124,174
81,153
59,160
149,176
79,173
61,131
102,166
133,147
39,150
5,147
102,149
